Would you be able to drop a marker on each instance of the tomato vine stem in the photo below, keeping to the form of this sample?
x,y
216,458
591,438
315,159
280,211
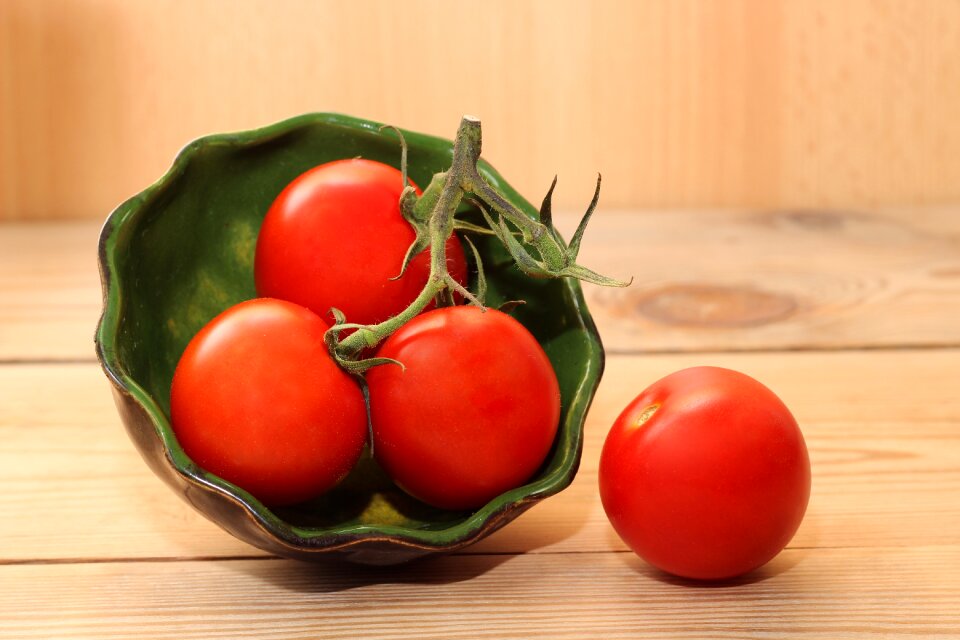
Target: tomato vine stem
x,y
538,251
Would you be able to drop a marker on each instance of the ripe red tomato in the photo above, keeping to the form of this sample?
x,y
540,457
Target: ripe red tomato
x,y
474,412
258,401
705,474
335,236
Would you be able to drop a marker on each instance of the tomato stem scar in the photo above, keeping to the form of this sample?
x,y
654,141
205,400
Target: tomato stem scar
x,y
645,415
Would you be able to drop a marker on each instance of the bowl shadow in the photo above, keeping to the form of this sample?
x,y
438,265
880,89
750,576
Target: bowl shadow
x,y
339,575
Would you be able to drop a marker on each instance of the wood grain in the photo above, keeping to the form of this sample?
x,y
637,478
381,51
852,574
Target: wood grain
x,y
886,463
741,280
718,280
49,291
849,317
743,103
829,593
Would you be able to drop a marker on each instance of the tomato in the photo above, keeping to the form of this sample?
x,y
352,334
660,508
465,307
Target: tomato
x,y
335,236
473,413
705,474
257,400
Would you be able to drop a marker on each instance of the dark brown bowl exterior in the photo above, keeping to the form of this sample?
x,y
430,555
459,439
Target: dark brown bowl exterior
x,y
175,255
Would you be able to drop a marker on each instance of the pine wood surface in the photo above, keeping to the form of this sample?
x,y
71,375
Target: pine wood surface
x,y
92,545
705,280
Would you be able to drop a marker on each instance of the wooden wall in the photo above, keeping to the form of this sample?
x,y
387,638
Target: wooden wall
x,y
741,103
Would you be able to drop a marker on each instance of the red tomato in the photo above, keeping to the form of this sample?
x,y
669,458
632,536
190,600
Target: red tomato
x,y
705,474
473,414
258,401
335,236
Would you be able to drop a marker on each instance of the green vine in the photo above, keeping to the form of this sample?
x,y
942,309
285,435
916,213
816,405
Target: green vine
x,y
535,245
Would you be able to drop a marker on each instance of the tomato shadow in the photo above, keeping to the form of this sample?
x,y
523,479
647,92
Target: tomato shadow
x,y
785,561
806,539
337,575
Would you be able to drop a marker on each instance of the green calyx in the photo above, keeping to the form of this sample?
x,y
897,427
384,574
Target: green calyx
x,y
535,245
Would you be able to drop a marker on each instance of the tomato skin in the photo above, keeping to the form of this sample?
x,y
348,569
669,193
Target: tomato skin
x,y
714,482
473,414
257,400
335,236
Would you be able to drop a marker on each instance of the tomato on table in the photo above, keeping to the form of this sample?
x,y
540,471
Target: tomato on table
x,y
705,474
474,411
257,400
335,237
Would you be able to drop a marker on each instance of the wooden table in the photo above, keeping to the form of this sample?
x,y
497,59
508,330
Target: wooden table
x,y
853,318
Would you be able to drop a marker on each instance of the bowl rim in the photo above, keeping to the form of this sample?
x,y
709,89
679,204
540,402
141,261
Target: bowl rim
x,y
302,538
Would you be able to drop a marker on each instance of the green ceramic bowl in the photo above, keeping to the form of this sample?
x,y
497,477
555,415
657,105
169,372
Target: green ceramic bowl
x,y
180,252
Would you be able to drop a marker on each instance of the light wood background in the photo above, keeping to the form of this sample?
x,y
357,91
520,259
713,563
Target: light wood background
x,y
747,103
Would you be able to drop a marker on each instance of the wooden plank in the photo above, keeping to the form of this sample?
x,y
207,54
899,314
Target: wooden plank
x,y
823,593
709,280
881,427
49,291
739,280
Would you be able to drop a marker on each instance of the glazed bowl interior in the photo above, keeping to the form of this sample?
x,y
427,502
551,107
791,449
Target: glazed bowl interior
x,y
179,253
